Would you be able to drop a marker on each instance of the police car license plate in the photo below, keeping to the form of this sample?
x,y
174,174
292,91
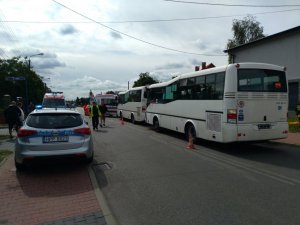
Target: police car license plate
x,y
50,139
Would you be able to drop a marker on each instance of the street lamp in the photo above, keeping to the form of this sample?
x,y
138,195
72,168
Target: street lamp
x,y
45,79
32,56
26,102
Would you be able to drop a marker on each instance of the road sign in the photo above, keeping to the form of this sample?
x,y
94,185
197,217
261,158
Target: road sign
x,y
15,78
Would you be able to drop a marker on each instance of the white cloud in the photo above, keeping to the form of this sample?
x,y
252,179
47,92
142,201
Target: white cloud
x,y
82,56
80,87
68,29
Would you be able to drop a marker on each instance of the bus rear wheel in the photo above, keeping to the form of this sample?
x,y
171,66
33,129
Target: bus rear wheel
x,y
132,119
190,130
156,124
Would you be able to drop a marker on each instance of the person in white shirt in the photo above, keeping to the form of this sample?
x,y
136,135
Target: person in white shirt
x,y
22,116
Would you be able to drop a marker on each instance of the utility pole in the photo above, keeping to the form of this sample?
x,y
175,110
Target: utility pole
x,y
26,80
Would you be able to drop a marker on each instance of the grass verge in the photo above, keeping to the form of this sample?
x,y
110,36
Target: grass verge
x,y
293,128
4,137
4,154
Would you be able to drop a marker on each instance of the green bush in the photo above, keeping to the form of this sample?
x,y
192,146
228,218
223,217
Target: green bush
x,y
293,128
4,154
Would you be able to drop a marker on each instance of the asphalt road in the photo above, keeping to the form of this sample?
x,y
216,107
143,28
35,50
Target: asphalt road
x,y
151,178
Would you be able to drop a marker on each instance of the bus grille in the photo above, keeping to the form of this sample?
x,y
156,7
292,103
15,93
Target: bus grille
x,y
229,95
214,122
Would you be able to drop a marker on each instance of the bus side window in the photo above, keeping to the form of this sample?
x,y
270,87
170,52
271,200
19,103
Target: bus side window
x,y
211,86
220,81
126,98
200,87
156,95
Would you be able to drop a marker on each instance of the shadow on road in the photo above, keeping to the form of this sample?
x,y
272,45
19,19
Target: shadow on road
x,y
268,152
99,169
54,180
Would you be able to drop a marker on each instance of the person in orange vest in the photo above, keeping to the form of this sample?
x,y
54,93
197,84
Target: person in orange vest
x,y
86,110
95,114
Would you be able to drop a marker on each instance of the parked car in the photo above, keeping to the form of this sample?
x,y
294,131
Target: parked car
x,y
53,133
54,100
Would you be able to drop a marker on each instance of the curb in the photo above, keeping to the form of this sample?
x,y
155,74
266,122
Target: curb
x,y
110,220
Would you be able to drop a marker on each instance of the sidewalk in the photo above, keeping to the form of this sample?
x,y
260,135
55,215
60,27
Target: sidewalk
x,y
54,196
292,139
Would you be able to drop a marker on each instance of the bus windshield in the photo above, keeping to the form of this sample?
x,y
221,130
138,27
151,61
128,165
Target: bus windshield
x,y
109,101
54,103
261,80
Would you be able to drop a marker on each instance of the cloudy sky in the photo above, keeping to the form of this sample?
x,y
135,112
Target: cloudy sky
x,y
104,44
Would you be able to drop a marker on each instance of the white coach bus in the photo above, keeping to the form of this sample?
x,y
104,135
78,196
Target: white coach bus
x,y
132,104
233,103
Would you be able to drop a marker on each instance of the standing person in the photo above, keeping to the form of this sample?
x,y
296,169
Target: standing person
x,y
12,115
22,116
86,109
103,110
31,107
95,114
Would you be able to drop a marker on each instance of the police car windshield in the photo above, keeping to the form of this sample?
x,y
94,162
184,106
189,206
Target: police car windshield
x,y
54,120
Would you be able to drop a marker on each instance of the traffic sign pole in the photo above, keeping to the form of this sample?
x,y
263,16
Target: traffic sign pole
x,y
26,89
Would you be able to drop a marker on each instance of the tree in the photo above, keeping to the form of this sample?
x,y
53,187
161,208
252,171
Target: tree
x,y
144,79
77,101
245,31
85,101
15,67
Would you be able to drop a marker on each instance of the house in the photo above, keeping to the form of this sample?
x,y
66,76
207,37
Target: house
x,y
281,49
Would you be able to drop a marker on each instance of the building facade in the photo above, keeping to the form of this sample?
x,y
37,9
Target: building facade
x,y
281,49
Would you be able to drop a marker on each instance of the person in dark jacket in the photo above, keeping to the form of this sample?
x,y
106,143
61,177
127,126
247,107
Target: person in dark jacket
x,y
103,110
31,107
12,116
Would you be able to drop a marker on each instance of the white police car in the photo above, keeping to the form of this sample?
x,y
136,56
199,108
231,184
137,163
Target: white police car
x,y
53,133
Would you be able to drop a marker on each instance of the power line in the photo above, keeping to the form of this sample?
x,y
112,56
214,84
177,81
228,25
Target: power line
x,y
7,36
10,35
153,20
132,37
231,5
